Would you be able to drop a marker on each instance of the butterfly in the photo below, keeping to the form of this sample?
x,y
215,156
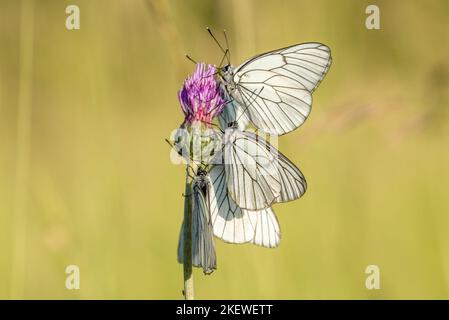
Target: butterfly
x,y
273,90
257,174
203,246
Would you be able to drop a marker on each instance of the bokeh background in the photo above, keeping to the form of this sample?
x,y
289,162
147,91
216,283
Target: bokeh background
x,y
86,178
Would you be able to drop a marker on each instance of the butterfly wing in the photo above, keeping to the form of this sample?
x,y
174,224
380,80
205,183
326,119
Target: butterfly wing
x,y
285,181
235,225
251,174
276,87
293,183
267,232
203,246
229,221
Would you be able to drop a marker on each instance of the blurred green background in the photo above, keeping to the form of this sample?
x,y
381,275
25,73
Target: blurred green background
x,y
86,178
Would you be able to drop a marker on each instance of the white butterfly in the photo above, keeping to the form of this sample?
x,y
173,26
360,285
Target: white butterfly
x,y
203,246
273,90
257,174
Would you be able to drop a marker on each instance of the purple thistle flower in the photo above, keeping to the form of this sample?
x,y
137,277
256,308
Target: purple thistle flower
x,y
201,95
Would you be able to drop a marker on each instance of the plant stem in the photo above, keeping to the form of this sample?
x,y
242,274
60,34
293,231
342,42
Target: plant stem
x,y
188,275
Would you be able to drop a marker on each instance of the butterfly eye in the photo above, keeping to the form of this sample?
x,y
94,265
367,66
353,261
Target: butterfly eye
x,y
232,124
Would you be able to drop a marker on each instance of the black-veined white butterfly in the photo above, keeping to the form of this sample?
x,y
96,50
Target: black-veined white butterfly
x,y
273,90
203,246
257,174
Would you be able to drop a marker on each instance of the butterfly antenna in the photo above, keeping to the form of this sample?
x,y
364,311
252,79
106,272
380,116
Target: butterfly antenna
x,y
215,39
217,126
206,166
222,59
227,46
188,57
169,143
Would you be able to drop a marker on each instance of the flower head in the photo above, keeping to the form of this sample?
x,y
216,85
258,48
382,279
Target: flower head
x,y
201,96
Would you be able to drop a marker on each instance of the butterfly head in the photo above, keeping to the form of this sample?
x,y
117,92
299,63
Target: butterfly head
x,y
227,70
201,180
201,173
233,125
226,74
